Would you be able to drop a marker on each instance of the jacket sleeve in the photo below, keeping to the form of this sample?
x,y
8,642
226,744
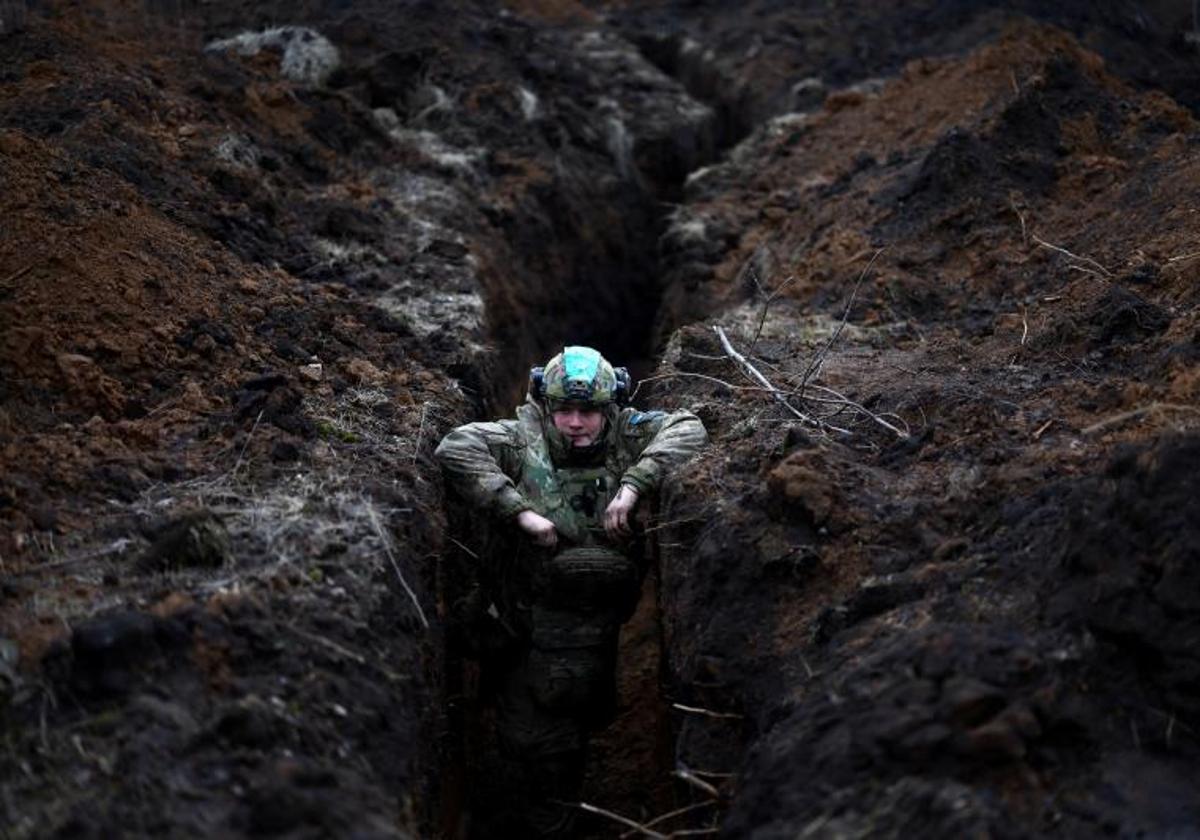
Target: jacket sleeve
x,y
660,443
473,458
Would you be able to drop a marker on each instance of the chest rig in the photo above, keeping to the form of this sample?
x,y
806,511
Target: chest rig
x,y
583,593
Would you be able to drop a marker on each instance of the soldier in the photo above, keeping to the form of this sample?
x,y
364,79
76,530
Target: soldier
x,y
567,473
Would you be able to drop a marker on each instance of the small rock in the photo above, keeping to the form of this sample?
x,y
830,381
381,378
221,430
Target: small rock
x,y
311,372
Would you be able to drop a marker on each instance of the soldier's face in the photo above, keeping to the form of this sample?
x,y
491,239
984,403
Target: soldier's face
x,y
581,424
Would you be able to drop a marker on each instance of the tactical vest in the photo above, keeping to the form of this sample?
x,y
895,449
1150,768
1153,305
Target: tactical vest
x,y
585,591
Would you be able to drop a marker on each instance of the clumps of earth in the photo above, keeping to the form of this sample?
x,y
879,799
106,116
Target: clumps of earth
x,y
926,274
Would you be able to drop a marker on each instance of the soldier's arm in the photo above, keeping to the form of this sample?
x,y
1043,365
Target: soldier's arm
x,y
474,457
661,442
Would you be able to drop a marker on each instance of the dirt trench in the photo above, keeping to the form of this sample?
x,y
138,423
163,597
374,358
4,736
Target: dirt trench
x,y
240,305
631,762
280,294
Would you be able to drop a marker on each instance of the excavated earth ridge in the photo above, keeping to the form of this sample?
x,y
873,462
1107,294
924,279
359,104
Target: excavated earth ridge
x,y
255,261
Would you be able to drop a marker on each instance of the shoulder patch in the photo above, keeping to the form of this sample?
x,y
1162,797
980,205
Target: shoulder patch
x,y
646,417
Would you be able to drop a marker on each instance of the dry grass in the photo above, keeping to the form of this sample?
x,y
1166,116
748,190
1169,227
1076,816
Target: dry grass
x,y
283,523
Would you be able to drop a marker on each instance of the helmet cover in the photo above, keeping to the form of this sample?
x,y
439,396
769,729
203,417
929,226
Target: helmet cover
x,y
580,375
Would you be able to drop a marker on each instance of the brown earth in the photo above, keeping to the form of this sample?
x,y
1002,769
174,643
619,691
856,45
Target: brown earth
x,y
971,623
237,309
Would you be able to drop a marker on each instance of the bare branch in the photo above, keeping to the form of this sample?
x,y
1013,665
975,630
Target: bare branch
x,y
903,434
694,710
779,396
420,432
762,317
463,547
1024,230
712,379
245,446
387,548
625,821
820,356
12,278
695,781
1086,260
1117,419
1183,257
670,815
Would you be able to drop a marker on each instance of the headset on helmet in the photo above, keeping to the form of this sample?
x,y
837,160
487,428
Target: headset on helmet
x,y
580,374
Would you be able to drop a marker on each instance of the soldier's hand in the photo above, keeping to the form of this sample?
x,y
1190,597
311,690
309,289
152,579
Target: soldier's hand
x,y
616,516
538,527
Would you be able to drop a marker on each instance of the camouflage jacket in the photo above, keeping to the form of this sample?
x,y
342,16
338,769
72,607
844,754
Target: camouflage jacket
x,y
507,466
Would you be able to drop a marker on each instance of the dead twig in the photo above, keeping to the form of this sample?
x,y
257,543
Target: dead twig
x,y
387,548
1183,257
463,547
779,396
670,815
116,547
1086,260
695,710
824,351
1118,419
1024,230
712,774
762,317
420,432
686,775
245,446
842,399
643,830
686,374
17,275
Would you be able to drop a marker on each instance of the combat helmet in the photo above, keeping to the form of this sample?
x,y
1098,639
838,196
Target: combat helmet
x,y
580,375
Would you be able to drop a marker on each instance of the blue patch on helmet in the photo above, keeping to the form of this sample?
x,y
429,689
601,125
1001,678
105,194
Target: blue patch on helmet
x,y
646,417
581,363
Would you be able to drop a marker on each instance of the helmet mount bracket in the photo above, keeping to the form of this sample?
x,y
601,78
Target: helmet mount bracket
x,y
573,388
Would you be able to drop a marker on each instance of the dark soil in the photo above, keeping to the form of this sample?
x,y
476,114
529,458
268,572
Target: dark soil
x,y
964,630
237,310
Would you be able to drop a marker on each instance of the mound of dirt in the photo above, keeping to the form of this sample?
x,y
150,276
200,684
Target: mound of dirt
x,y
759,59
934,599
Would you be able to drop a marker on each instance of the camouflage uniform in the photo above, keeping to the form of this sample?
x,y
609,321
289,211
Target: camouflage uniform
x,y
563,612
